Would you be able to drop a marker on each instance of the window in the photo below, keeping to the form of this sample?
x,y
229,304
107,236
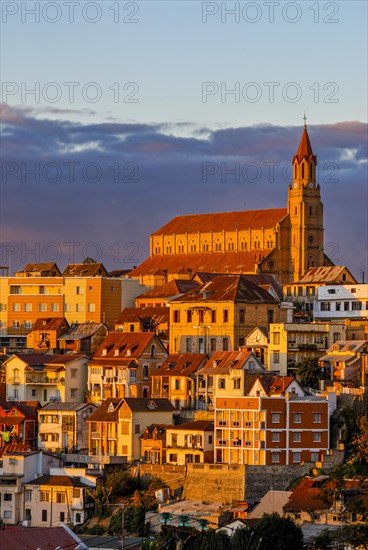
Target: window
x,y
60,498
210,381
296,457
54,307
331,291
338,306
236,383
16,307
297,417
73,373
297,437
78,307
68,307
213,316
242,316
27,307
16,324
270,316
42,307
225,316
346,306
91,308
275,437
44,515
356,306
177,384
173,457
225,344
276,337
76,493
73,393
241,341
314,457
45,496
78,518
79,290
28,496
288,291
213,345
7,514
145,371
325,306
27,324
276,356
137,428
275,457
189,316
176,316
62,517
317,437
201,316
276,417
8,497
15,290
222,383
188,345
317,418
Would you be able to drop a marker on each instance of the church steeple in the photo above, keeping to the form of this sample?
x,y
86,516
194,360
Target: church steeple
x,y
304,162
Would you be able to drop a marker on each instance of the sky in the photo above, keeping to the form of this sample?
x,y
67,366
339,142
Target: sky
x,y
118,116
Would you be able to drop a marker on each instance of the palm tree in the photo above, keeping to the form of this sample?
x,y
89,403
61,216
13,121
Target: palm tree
x,y
309,372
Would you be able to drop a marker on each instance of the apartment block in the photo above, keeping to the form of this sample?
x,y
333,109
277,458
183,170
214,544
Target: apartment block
x,y
192,442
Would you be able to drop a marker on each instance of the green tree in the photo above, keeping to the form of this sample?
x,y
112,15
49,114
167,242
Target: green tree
x,y
309,372
122,484
277,533
360,441
101,496
89,260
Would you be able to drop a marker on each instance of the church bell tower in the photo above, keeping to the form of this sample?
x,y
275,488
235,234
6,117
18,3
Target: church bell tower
x,y
305,211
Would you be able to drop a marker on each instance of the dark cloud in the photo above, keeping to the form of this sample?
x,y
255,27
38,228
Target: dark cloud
x,y
147,174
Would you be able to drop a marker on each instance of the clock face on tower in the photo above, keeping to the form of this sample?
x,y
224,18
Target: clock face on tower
x,y
310,185
295,185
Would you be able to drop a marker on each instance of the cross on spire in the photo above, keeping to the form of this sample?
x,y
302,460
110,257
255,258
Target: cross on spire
x,y
305,120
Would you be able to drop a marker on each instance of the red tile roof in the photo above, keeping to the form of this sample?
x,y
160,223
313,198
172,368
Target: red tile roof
x,y
232,288
136,342
170,289
37,359
327,275
223,221
199,425
181,364
220,262
31,268
222,361
49,323
58,481
10,448
135,404
47,538
150,315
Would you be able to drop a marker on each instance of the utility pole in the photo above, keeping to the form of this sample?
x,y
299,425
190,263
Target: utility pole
x,y
122,526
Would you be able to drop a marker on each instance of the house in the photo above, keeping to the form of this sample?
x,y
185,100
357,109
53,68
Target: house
x,y
271,422
271,502
161,295
123,364
39,270
219,314
18,468
346,362
290,343
153,444
19,422
116,426
45,333
145,319
83,337
45,377
190,442
44,537
176,379
56,499
62,427
302,293
328,501
258,341
224,374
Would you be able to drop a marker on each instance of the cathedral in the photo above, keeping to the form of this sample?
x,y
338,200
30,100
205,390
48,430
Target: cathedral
x,y
284,242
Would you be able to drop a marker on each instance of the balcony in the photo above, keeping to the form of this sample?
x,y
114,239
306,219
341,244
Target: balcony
x,y
95,435
44,380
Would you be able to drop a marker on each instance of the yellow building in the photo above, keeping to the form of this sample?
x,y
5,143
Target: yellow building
x,y
218,315
82,293
290,343
46,378
281,241
191,442
116,426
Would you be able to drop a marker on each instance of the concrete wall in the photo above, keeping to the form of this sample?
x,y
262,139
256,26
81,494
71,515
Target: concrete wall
x,y
260,479
214,483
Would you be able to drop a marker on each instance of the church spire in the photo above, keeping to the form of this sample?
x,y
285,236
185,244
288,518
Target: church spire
x,y
305,148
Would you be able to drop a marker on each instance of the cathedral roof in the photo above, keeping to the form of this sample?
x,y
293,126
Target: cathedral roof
x,y
220,262
223,221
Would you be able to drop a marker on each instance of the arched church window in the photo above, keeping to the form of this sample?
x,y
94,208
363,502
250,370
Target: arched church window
x,y
218,246
193,247
295,210
310,171
302,171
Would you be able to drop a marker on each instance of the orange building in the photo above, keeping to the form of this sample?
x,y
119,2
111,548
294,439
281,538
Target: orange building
x,y
275,422
280,241
46,332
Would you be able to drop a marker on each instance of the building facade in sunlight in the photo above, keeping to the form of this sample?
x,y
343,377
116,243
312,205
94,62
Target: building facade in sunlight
x,y
284,242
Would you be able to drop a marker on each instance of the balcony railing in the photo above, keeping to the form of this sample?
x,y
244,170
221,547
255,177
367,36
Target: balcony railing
x,y
44,380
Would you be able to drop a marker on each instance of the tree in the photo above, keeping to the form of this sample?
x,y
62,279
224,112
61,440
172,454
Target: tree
x,y
277,533
309,372
89,260
122,484
360,441
101,496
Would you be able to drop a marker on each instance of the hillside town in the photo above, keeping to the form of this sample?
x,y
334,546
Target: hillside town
x,y
209,396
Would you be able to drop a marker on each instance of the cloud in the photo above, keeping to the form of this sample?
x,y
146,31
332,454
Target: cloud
x,y
116,182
